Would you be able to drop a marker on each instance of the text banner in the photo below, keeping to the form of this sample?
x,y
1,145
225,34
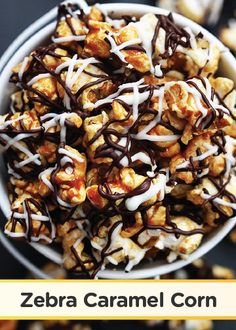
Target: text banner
x,y
104,299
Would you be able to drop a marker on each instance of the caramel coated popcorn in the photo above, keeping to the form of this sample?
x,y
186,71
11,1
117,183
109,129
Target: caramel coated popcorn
x,y
120,141
227,34
200,11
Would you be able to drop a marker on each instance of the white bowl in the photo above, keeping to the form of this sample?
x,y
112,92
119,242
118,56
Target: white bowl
x,y
34,36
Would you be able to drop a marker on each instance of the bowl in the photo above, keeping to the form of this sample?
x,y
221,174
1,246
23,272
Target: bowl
x,y
37,34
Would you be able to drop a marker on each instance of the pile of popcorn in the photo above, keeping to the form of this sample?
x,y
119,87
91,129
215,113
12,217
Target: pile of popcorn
x,y
119,141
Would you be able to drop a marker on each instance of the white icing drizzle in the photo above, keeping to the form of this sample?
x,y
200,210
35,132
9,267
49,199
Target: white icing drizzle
x,y
65,160
23,67
205,171
12,104
112,97
211,150
141,156
62,120
157,71
84,226
69,170
71,155
66,99
33,238
47,173
123,161
29,160
63,204
134,202
214,103
14,141
136,102
12,121
142,135
146,37
220,201
44,177
12,172
57,120
192,39
68,39
145,159
229,155
38,77
26,217
33,216
80,239
156,138
116,49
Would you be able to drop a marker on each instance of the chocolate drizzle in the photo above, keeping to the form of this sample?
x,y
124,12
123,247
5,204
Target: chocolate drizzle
x,y
175,36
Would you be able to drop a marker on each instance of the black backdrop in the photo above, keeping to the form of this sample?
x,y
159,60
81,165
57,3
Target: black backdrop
x,y
15,15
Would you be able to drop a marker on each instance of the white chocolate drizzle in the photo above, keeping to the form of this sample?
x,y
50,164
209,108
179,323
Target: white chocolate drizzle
x,y
211,150
57,120
158,188
23,67
12,121
229,155
68,39
38,77
45,175
63,151
116,49
219,201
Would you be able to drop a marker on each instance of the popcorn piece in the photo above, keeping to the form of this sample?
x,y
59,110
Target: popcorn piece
x,y
227,35
181,245
216,199
67,181
91,84
76,259
118,183
120,248
95,42
202,12
30,220
92,126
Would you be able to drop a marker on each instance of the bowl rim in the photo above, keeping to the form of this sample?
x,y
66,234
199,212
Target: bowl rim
x,y
38,30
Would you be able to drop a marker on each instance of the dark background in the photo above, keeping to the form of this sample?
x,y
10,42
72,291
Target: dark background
x,y
15,16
